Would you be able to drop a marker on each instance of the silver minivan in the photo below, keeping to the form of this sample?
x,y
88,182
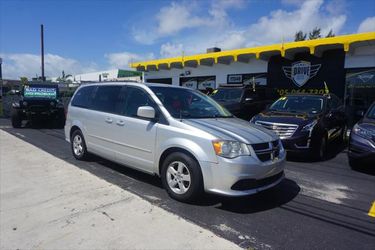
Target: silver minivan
x,y
179,134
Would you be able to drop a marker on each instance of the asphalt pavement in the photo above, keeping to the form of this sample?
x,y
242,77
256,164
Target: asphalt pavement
x,y
321,205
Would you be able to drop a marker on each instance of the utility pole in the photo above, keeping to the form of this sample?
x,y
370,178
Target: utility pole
x,y
42,49
1,71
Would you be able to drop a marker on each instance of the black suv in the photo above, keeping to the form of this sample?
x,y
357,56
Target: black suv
x,y
305,123
38,102
245,101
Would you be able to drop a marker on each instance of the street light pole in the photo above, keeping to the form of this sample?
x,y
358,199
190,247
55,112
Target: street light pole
x,y
1,71
42,49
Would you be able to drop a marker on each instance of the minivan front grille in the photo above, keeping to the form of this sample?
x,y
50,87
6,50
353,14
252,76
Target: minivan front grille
x,y
267,151
281,129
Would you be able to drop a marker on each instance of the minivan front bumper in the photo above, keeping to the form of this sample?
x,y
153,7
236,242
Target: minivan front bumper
x,y
243,175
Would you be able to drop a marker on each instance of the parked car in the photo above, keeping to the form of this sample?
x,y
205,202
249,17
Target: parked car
x,y
362,139
243,101
305,123
38,102
177,133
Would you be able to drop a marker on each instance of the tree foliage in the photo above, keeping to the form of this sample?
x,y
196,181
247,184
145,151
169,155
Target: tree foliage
x,y
300,36
64,78
24,81
330,33
315,34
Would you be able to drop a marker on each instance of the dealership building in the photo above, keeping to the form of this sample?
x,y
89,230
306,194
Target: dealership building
x,y
345,64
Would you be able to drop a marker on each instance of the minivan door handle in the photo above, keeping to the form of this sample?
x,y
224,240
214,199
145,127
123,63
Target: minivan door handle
x,y
108,120
120,123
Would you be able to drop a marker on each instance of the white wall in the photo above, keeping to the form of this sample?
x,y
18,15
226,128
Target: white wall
x,y
219,70
361,57
94,76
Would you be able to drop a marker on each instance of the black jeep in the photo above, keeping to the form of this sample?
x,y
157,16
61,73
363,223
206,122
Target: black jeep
x,y
244,101
38,103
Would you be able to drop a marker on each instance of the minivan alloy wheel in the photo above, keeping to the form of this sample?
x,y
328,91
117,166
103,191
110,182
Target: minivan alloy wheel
x,y
178,177
77,145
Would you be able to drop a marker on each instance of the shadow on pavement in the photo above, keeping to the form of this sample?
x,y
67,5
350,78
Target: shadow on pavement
x,y
281,194
366,168
277,196
333,149
134,181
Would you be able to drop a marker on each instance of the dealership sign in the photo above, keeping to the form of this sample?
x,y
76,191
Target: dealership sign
x,y
300,72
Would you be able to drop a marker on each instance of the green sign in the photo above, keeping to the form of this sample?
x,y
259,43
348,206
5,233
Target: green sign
x,y
128,73
40,92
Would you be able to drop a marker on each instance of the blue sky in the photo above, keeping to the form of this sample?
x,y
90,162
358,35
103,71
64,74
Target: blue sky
x,y
89,35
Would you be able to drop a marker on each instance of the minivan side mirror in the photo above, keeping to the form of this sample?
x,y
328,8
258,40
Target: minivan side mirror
x,y
146,112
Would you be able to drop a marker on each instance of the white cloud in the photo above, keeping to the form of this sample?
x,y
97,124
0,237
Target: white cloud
x,y
175,17
18,65
171,49
292,2
277,26
367,25
282,25
335,7
123,59
179,16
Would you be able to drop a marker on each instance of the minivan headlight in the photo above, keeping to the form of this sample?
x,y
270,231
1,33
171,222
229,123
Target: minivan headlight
x,y
230,149
360,131
310,126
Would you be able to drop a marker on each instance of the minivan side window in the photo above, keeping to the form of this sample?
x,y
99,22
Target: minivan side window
x,y
136,98
106,98
83,98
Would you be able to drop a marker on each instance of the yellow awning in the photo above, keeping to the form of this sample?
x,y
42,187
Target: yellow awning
x,y
346,42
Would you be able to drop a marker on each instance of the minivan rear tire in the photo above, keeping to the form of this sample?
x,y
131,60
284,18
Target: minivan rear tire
x,y
191,167
78,145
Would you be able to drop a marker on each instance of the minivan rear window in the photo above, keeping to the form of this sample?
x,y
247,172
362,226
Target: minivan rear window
x,y
83,98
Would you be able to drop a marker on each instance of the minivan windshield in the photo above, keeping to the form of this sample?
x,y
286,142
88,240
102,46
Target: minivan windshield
x,y
188,104
298,104
227,95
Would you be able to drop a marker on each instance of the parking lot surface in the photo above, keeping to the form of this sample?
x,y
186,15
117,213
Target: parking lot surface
x,y
319,204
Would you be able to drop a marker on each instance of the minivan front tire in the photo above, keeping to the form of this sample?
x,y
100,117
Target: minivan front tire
x,y
78,145
181,176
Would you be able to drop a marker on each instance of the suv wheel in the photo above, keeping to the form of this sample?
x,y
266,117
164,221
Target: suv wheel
x,y
322,149
16,119
78,145
181,177
60,121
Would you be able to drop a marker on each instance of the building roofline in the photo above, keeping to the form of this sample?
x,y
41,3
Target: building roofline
x,y
314,47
